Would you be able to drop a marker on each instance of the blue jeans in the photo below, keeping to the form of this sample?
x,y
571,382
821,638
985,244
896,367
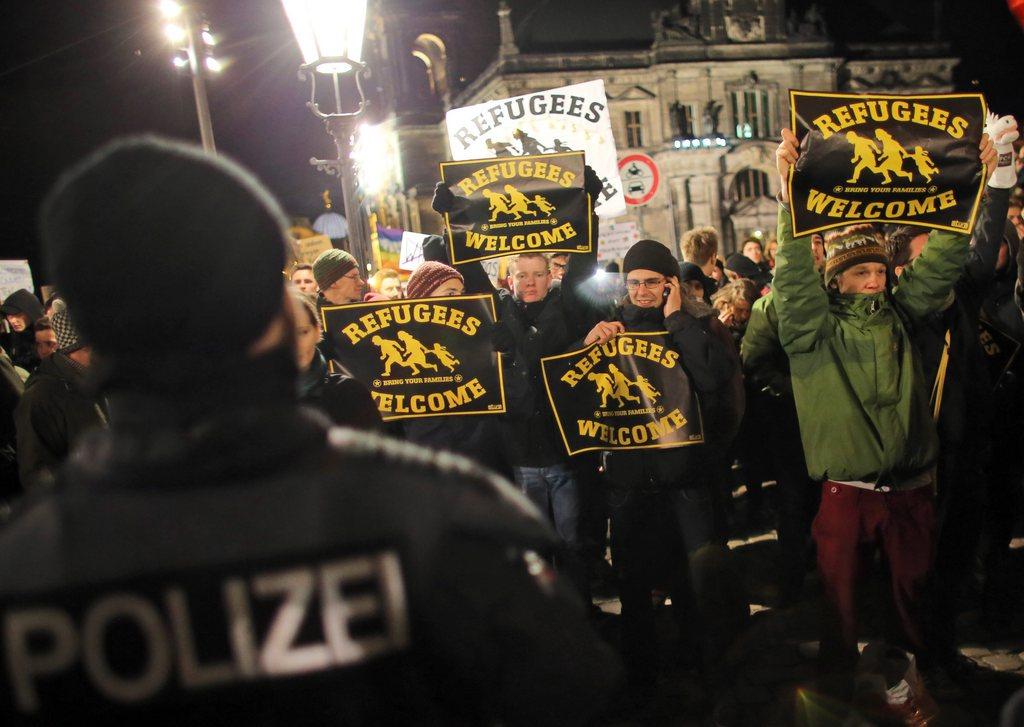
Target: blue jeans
x,y
555,492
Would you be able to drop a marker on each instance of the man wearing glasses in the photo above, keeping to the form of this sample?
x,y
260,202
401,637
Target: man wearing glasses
x,y
559,264
337,277
660,500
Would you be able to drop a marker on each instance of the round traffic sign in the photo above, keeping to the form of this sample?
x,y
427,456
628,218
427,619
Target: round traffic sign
x,y
640,178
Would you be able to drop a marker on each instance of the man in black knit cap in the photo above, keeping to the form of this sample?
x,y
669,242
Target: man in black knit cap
x,y
220,555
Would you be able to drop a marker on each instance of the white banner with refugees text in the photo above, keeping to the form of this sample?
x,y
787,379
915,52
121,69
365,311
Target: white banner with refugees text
x,y
571,118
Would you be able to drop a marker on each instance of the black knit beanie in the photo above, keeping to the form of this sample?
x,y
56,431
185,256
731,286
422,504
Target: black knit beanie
x,y
165,252
650,255
743,266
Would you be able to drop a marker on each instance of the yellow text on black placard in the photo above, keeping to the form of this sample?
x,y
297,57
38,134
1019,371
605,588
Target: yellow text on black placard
x,y
902,159
627,393
422,357
509,206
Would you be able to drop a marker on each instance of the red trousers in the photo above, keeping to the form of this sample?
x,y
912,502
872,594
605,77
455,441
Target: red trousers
x,y
903,525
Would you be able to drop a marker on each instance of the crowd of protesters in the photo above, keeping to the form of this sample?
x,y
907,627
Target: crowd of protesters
x,y
847,399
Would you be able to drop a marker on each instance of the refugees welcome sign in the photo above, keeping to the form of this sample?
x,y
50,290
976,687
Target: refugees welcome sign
x,y
508,206
868,158
628,393
571,118
420,358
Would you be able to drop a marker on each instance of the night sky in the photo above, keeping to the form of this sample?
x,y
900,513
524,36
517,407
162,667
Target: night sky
x,y
77,73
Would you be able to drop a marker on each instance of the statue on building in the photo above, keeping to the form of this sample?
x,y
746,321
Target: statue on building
x,y
676,25
812,25
712,111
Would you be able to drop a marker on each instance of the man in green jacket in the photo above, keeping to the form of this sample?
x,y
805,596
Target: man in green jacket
x,y
863,408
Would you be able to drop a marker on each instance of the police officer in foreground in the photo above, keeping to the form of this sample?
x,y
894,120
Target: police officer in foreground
x,y
220,555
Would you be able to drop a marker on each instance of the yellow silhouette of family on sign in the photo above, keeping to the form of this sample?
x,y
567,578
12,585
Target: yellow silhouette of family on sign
x,y
888,160
616,385
516,203
409,353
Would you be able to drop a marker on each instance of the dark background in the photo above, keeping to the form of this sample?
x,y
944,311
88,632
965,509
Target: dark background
x,y
77,73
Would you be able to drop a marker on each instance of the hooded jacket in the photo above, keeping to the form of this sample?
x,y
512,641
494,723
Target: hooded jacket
x,y
21,347
861,398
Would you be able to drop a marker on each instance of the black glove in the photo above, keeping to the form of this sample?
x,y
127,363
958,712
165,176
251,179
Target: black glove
x,y
444,200
502,339
592,184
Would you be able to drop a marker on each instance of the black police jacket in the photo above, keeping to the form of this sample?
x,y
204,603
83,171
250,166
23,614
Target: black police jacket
x,y
250,565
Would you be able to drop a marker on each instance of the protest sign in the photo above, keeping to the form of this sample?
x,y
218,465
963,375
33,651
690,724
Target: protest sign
x,y
411,256
615,238
14,275
421,358
511,206
571,118
628,393
999,347
869,158
308,248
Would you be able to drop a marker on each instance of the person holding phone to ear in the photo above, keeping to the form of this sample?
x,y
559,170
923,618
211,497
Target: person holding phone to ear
x,y
660,501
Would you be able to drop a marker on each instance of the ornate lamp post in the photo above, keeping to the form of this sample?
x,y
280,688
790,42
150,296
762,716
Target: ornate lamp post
x,y
330,36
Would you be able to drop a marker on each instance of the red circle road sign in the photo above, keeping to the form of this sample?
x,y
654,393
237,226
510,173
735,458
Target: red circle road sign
x,y
640,178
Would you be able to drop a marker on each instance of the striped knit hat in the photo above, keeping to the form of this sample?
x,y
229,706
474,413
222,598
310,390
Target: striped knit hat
x,y
330,265
428,277
850,248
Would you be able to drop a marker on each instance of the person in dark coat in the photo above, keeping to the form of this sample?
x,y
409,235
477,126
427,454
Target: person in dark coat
x,y
738,265
661,503
473,435
536,320
221,555
57,407
21,309
11,388
344,400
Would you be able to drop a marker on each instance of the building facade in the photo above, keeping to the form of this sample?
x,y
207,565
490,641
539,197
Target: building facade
x,y
705,94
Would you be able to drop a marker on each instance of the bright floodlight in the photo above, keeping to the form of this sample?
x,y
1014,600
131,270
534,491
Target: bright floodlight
x,y
179,61
208,38
328,29
174,33
170,9
213,65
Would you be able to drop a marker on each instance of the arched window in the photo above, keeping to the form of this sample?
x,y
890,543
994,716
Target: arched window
x,y
750,184
431,52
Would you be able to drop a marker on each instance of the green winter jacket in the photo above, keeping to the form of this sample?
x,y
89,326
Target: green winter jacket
x,y
860,395
765,364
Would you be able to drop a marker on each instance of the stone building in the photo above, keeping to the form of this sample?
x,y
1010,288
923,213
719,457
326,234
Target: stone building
x,y
701,86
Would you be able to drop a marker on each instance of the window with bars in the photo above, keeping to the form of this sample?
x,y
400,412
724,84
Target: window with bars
x,y
634,130
751,112
750,184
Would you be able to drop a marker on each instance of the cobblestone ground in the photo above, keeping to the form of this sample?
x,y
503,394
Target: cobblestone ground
x,y
772,680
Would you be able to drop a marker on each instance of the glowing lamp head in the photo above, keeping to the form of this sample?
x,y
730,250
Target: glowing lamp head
x,y
329,32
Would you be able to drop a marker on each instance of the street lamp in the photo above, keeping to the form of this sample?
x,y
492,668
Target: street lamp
x,y
330,36
194,42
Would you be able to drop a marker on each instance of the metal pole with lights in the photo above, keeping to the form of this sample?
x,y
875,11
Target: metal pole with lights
x,y
330,36
198,42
